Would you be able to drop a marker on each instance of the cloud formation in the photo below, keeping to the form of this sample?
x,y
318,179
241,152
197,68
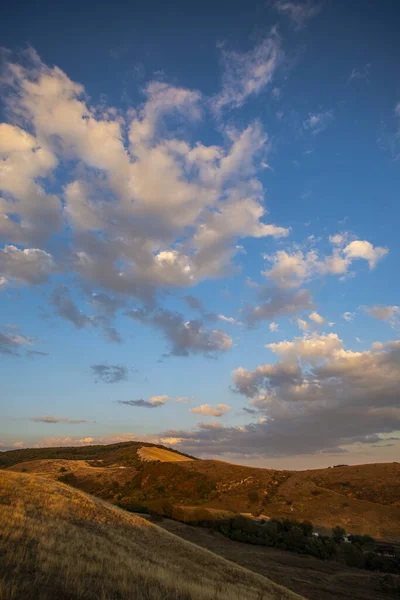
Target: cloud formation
x,y
246,74
153,402
317,122
12,343
278,303
170,212
298,12
383,312
294,267
29,266
185,337
52,420
109,373
210,410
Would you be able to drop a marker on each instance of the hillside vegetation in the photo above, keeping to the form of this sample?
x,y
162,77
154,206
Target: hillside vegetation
x,y
60,543
363,499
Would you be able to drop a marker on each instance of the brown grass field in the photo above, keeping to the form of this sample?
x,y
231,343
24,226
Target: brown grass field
x,y
58,543
364,499
153,453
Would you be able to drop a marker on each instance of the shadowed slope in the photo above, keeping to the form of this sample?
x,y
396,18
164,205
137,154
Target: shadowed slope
x,y
57,542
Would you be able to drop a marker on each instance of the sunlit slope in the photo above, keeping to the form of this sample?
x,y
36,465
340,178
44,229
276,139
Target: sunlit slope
x,y
58,542
161,454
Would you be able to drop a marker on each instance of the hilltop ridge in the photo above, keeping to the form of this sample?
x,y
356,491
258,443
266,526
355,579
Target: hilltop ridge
x,y
363,499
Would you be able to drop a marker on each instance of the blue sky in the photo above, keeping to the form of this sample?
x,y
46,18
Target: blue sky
x,y
198,228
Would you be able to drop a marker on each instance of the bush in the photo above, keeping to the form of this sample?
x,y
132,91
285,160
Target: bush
x,y
63,470
352,556
338,534
253,496
307,528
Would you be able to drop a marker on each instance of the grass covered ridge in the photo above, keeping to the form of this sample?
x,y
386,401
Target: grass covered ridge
x,y
58,542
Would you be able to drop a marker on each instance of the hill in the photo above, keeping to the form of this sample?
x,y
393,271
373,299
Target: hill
x,y
58,542
123,453
364,499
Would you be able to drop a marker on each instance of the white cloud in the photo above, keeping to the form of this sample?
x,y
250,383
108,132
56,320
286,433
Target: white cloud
x,y
273,326
302,324
317,318
209,410
384,313
348,316
317,122
25,159
170,212
291,268
53,420
360,73
319,395
298,12
309,348
365,250
227,319
32,266
246,74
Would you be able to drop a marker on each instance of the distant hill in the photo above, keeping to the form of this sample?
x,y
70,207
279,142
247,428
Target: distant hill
x,y
59,543
124,453
363,499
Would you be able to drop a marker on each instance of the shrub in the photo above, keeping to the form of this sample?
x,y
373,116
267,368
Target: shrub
x,y
338,534
253,496
352,556
63,470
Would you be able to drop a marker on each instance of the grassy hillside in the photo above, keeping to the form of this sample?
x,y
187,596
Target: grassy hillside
x,y
123,453
363,499
57,542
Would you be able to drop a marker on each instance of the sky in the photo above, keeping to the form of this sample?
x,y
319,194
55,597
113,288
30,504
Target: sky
x,y
199,209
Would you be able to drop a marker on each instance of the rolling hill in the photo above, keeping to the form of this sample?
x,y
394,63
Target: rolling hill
x,y
363,499
60,543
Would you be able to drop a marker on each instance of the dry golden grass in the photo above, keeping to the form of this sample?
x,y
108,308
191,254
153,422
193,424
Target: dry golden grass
x,y
154,453
57,543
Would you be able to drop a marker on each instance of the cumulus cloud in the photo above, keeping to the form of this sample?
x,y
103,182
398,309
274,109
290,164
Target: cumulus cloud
x,y
291,268
216,410
185,337
273,326
365,250
109,373
317,397
170,212
298,12
279,303
383,312
52,420
317,122
32,266
25,159
246,74
316,318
